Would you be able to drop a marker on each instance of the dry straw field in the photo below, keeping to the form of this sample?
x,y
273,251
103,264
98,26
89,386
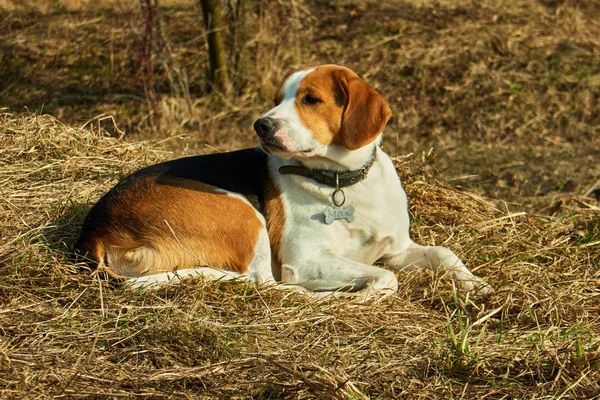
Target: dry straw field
x,y
495,134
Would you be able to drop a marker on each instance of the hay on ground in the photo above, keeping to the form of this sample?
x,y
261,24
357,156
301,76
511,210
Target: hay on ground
x,y
66,333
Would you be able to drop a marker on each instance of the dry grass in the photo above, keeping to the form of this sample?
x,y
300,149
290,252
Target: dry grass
x,y
64,333
506,93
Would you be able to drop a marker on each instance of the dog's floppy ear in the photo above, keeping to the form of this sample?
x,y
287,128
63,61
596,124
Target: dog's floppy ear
x,y
365,111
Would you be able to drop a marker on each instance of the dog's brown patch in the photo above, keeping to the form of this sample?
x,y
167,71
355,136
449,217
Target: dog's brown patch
x,y
275,216
348,113
163,224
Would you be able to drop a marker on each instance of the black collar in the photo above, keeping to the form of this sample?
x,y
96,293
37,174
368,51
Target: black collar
x,y
331,178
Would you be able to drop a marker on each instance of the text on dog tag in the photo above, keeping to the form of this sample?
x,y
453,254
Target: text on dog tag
x,y
331,214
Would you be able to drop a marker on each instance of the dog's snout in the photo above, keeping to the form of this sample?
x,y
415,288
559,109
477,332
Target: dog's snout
x,y
263,126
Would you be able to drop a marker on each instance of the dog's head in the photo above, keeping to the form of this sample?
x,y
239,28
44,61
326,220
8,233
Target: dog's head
x,y
320,108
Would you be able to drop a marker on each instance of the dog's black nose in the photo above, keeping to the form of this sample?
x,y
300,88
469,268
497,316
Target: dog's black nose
x,y
263,126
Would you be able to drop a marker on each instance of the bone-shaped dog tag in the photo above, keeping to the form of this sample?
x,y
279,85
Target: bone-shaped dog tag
x,y
331,214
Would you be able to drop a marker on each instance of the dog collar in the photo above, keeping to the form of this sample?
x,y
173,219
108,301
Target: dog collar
x,y
331,178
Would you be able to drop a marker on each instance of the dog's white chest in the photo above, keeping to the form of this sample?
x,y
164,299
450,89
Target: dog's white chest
x,y
372,232
379,218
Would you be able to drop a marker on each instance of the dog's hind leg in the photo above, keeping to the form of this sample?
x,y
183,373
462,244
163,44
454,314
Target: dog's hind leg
x,y
175,277
258,270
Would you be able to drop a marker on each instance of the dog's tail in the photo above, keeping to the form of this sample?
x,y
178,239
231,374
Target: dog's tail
x,y
90,253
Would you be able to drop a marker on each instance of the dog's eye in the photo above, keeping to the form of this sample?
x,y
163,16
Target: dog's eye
x,y
310,100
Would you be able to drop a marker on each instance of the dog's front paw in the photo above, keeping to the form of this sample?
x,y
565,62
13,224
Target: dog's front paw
x,y
475,285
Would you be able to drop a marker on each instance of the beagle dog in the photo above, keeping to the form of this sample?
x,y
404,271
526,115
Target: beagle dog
x,y
315,208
